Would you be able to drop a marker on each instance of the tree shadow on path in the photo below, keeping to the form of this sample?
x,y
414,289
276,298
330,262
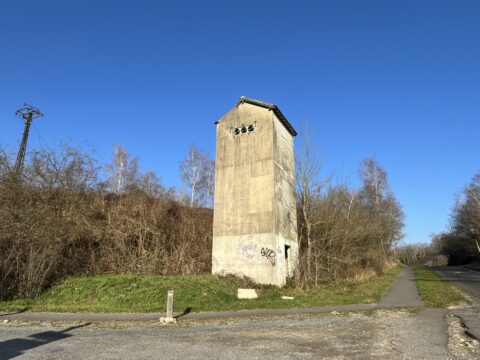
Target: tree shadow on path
x,y
16,347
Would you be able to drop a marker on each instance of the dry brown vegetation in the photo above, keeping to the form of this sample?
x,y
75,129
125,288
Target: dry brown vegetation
x,y
62,218
344,232
420,254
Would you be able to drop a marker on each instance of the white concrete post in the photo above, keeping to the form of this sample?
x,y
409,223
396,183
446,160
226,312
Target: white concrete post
x,y
169,319
170,304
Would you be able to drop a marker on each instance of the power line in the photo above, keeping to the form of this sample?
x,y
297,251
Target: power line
x,y
43,143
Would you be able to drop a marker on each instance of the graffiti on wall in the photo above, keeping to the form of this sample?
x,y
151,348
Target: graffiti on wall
x,y
249,252
269,254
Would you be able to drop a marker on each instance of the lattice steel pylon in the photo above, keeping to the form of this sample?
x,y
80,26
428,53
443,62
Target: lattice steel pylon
x,y
28,113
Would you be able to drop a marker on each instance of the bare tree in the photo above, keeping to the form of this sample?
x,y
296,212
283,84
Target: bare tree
x,y
197,174
123,170
374,182
386,215
308,189
343,232
6,165
151,184
65,168
209,187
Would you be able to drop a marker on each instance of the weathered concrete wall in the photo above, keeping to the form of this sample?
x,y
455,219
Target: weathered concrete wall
x,y
254,207
247,255
284,170
244,174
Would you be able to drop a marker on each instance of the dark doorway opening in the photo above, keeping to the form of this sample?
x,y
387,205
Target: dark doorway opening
x,y
287,255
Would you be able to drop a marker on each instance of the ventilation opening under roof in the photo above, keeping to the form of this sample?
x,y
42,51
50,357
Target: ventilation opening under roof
x,y
244,129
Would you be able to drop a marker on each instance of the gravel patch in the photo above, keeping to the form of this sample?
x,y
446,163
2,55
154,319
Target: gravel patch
x,y
462,343
370,335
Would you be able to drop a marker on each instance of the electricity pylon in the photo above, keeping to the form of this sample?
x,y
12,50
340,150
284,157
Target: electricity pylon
x,y
28,113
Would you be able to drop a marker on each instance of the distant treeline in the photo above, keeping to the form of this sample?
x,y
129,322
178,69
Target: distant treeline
x,y
68,215
460,244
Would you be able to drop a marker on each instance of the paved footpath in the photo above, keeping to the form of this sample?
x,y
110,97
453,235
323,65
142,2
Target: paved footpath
x,y
403,292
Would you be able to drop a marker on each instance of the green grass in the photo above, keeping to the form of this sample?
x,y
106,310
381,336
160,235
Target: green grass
x,y
434,290
146,293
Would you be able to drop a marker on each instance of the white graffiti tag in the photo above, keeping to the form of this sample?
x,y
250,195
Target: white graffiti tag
x,y
249,252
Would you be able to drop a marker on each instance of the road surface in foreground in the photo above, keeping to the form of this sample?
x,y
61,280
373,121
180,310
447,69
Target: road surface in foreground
x,y
375,335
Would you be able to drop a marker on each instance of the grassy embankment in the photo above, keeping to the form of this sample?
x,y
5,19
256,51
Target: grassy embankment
x,y
434,290
145,293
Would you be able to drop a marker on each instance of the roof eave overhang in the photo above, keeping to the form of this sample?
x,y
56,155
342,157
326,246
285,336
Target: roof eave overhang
x,y
271,107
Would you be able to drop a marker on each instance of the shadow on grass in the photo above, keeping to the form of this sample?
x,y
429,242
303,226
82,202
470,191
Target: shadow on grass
x,y
16,347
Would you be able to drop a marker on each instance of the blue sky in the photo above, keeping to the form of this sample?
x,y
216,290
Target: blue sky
x,y
398,80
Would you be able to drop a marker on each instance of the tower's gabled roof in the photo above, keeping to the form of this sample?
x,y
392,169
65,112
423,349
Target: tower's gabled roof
x,y
272,107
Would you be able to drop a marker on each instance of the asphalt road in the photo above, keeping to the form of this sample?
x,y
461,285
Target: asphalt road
x,y
466,277
383,334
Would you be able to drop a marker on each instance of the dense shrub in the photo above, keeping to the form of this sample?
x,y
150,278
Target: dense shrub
x,y
60,220
344,232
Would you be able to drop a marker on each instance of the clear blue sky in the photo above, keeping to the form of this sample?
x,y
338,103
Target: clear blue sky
x,y
398,80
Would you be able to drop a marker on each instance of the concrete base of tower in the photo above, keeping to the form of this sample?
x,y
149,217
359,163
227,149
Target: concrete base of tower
x,y
265,258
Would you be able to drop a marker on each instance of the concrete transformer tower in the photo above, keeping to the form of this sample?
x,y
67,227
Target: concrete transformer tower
x,y
255,222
